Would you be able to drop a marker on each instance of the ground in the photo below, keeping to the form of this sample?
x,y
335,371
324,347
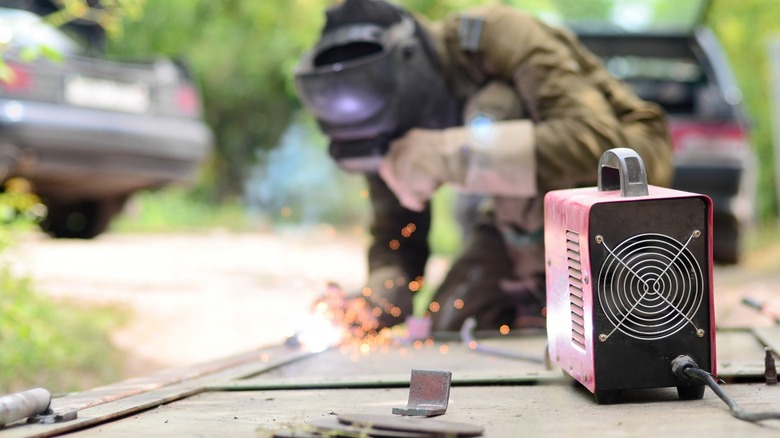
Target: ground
x,y
193,297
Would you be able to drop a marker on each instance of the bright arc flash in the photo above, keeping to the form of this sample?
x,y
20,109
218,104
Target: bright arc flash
x,y
318,334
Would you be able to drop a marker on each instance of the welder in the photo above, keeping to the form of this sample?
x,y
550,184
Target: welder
x,y
490,100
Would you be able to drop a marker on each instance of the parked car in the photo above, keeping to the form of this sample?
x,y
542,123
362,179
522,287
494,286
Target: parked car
x,y
88,132
666,54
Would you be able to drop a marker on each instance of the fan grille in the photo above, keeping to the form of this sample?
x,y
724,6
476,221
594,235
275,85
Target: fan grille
x,y
650,286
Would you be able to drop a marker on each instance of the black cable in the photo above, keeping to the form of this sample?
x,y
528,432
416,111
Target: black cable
x,y
686,369
467,336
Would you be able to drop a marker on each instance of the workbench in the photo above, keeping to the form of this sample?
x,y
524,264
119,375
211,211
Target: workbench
x,y
283,387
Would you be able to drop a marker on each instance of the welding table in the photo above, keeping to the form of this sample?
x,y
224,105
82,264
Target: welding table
x,y
258,391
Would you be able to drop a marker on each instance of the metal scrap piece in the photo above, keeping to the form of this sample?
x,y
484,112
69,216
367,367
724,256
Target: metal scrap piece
x,y
332,427
14,407
429,394
52,417
413,424
770,370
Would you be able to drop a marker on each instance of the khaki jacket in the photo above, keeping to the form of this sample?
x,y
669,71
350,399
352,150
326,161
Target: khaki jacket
x,y
578,109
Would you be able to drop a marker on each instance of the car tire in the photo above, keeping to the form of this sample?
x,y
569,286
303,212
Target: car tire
x,y
726,239
81,220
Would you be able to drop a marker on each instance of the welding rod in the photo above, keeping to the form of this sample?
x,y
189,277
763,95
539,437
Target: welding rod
x,y
761,307
467,336
20,405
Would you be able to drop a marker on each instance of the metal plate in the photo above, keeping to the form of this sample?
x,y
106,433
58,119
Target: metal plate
x,y
412,424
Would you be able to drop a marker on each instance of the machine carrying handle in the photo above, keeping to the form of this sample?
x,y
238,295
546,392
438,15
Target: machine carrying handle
x,y
623,169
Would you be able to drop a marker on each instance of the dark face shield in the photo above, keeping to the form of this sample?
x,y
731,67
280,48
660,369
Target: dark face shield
x,y
367,85
344,94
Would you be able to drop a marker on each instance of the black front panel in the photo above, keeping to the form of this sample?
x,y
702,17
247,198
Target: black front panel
x,y
651,287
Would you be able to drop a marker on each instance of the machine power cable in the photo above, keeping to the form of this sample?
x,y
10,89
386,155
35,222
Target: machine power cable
x,y
686,370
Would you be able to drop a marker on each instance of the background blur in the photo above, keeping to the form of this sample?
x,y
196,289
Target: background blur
x,y
269,172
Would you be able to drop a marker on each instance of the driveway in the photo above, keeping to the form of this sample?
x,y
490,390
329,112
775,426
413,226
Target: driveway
x,y
194,297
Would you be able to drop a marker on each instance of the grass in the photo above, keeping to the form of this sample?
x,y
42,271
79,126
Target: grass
x,y
174,210
44,343
55,345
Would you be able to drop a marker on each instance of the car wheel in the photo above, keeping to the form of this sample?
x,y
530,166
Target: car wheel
x,y
726,239
81,220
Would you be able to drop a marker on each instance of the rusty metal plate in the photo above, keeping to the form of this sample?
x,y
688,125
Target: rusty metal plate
x,y
429,394
412,424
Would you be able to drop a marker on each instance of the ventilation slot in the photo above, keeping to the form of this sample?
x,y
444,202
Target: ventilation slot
x,y
576,302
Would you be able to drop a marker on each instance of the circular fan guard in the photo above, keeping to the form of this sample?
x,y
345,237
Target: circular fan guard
x,y
650,286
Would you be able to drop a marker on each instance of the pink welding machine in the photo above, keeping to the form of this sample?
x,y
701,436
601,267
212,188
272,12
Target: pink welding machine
x,y
629,281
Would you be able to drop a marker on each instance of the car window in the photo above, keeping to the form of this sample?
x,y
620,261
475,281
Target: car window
x,y
671,82
619,16
25,29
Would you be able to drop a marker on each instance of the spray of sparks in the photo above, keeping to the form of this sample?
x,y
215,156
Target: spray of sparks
x,y
352,322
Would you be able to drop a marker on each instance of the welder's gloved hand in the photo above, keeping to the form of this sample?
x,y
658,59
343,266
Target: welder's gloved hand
x,y
495,158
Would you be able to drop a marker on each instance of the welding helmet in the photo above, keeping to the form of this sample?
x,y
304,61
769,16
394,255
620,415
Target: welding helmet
x,y
371,77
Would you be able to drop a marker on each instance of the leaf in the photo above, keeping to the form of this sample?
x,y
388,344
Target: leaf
x,y
6,73
51,54
30,53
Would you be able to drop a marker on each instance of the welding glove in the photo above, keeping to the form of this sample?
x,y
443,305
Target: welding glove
x,y
494,158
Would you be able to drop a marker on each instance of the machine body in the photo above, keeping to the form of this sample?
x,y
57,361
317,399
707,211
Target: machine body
x,y
629,281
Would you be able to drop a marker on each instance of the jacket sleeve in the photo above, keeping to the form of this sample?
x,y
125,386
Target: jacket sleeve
x,y
575,121
397,254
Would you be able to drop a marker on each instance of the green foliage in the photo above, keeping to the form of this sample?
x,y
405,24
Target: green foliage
x,y
744,28
59,346
242,54
55,345
445,236
174,209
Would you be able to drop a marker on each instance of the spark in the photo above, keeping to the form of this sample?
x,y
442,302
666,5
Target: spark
x,y
319,333
434,306
504,329
458,304
395,244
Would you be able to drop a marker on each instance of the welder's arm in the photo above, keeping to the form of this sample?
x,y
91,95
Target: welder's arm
x,y
576,120
495,158
397,254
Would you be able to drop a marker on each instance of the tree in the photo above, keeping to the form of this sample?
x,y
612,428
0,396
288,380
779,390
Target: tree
x,y
242,54
744,27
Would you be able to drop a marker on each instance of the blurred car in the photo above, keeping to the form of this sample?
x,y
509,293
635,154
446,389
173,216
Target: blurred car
x,y
88,132
665,53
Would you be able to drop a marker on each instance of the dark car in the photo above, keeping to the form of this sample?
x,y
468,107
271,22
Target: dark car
x,y
88,132
666,55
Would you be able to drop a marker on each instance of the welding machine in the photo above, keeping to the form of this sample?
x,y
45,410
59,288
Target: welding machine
x,y
629,281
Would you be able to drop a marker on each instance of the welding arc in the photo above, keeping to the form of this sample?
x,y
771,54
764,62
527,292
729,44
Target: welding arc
x,y
650,286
